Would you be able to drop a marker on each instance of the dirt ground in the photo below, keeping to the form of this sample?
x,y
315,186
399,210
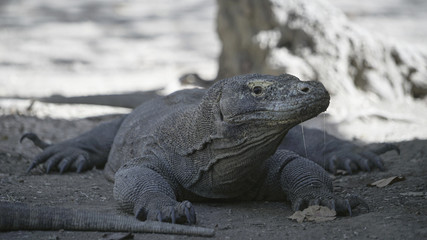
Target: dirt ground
x,y
397,211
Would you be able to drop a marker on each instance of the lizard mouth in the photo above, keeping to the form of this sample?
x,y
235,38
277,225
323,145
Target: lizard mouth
x,y
277,115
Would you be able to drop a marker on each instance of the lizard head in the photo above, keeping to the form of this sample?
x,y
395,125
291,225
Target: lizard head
x,y
271,100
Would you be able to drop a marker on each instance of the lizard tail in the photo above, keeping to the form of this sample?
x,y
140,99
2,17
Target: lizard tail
x,y
19,216
35,139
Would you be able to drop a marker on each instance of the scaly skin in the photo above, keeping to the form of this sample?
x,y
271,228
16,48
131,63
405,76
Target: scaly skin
x,y
18,216
226,142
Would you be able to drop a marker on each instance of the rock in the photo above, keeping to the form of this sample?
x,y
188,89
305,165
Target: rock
x,y
314,40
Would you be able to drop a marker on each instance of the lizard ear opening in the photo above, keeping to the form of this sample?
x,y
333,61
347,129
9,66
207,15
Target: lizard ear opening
x,y
221,117
218,114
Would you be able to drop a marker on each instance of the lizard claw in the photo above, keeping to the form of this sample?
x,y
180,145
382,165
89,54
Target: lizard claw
x,y
385,147
181,213
344,207
331,204
341,206
190,213
314,202
81,163
355,200
159,216
297,204
32,165
331,167
346,165
347,204
173,215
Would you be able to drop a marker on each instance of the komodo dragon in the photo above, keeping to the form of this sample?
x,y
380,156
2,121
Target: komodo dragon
x,y
226,142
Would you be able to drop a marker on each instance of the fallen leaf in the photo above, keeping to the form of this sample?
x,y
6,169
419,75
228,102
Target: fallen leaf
x,y
386,181
297,216
314,214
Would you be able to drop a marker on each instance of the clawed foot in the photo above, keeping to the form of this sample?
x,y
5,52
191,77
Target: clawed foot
x,y
340,205
182,212
352,158
62,157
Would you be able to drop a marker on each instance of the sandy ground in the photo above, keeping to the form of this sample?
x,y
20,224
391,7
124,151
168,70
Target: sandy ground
x,y
101,47
397,211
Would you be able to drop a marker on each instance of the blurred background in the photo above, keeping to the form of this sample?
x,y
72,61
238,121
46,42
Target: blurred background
x,y
89,47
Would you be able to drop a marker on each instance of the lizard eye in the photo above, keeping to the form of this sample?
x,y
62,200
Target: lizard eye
x,y
257,90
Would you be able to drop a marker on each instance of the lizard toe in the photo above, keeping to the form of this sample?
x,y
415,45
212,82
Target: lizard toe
x,y
374,159
159,217
346,205
41,158
66,163
298,204
314,202
52,162
182,212
385,147
81,163
330,204
190,213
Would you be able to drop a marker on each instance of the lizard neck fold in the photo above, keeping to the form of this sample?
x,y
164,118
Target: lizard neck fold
x,y
228,156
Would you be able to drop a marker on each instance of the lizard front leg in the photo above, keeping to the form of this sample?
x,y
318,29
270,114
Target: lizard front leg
x,y
305,183
335,154
149,195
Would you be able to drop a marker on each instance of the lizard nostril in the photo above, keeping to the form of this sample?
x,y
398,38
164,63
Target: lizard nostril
x,y
304,88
